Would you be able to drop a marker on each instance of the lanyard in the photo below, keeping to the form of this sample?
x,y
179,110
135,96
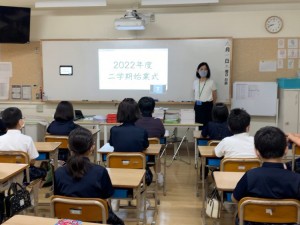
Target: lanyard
x,y
200,92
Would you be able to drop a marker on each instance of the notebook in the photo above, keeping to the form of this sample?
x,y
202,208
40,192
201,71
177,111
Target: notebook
x,y
78,115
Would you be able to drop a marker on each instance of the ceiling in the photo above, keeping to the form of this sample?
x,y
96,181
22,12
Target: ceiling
x,y
114,6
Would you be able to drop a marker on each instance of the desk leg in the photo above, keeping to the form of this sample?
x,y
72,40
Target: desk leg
x,y
165,173
54,155
196,149
203,159
105,133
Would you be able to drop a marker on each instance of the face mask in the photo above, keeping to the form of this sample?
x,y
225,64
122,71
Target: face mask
x,y
203,73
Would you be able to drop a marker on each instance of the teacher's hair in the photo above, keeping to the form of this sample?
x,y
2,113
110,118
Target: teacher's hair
x,y
80,142
208,70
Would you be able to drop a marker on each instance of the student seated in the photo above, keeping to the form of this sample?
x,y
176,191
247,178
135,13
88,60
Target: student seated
x,y
153,126
294,138
128,137
271,180
14,140
217,129
241,144
63,124
81,178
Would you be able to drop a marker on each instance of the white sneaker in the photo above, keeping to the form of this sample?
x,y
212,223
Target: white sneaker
x,y
115,204
160,179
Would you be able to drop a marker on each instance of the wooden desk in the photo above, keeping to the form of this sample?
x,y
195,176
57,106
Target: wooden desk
x,y
226,181
153,149
130,178
10,172
182,125
29,220
50,148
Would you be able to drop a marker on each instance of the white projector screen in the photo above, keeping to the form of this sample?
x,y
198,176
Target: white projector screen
x,y
132,69
173,64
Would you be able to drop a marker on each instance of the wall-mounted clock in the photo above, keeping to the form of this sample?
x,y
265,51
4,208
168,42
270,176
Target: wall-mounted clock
x,y
274,24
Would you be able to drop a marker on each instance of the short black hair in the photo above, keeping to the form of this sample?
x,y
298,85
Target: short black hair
x,y
238,120
146,105
11,117
64,111
220,112
208,70
128,111
270,142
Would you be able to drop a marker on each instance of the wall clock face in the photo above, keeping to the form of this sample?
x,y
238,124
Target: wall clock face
x,y
274,24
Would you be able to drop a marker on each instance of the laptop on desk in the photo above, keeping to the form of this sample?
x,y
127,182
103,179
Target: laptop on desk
x,y
78,115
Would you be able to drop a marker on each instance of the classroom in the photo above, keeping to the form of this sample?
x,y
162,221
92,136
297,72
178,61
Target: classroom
x,y
64,36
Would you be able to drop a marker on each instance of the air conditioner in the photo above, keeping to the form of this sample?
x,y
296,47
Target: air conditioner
x,y
130,24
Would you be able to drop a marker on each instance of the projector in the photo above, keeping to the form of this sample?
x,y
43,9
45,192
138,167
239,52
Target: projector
x,y
130,24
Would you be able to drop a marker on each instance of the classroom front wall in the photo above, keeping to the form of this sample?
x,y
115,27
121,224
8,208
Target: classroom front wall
x,y
244,24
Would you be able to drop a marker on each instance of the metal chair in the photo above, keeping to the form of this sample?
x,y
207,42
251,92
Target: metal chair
x,y
84,209
263,210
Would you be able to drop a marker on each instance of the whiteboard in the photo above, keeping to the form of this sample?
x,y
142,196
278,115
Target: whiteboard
x,y
184,55
257,98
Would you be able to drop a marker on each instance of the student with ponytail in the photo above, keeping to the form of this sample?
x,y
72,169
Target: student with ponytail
x,y
81,178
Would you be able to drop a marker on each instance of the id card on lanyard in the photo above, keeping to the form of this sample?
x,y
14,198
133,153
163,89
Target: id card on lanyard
x,y
198,102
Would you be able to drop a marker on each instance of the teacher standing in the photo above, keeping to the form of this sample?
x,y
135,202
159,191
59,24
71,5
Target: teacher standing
x,y
205,94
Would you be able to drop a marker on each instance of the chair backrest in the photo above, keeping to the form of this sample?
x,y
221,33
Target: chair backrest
x,y
264,210
239,164
128,160
16,157
296,149
57,138
213,142
154,140
84,209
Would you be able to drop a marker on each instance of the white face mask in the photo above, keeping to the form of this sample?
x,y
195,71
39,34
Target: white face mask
x,y
203,73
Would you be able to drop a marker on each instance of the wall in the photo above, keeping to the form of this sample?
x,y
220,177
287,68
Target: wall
x,y
235,24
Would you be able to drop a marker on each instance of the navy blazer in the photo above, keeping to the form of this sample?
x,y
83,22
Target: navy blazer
x,y
61,127
128,138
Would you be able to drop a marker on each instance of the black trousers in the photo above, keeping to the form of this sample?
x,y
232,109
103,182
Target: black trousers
x,y
203,112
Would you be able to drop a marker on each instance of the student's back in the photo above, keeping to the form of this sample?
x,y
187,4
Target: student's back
x,y
63,119
127,137
217,129
241,144
153,126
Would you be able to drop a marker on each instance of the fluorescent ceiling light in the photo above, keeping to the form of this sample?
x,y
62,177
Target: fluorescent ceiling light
x,y
176,2
69,3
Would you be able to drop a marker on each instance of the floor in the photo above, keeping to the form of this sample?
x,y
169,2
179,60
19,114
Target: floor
x,y
179,206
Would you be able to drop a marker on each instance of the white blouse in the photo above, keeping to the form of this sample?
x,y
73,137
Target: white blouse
x,y
203,90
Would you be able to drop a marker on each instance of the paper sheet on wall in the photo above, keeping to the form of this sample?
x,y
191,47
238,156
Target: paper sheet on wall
x,y
4,82
16,92
5,69
268,66
26,92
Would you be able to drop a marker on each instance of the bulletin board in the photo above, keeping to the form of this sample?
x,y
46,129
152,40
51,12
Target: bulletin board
x,y
247,54
26,66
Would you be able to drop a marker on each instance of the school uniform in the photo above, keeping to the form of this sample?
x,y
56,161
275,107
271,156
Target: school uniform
x,y
237,146
14,140
269,181
153,126
61,127
95,183
216,130
128,138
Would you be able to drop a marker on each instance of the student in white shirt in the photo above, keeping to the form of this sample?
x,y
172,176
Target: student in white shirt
x,y
14,140
241,144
